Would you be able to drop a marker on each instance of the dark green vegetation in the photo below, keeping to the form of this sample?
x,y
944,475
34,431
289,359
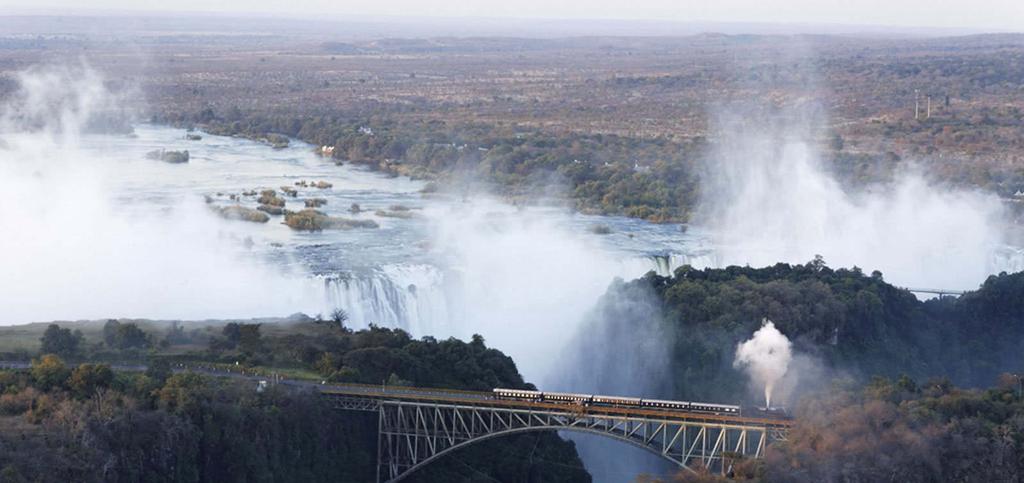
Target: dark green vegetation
x,y
60,340
896,430
90,423
860,345
846,327
659,183
846,322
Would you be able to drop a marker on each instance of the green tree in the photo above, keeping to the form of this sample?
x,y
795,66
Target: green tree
x,y
110,333
338,318
175,334
249,338
232,332
345,374
159,370
87,378
60,341
130,336
185,392
326,364
49,372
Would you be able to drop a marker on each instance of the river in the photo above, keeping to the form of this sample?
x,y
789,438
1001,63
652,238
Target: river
x,y
523,277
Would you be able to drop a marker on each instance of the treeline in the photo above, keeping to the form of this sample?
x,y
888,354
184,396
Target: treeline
x,y
900,430
91,423
895,430
320,348
876,369
844,322
655,179
371,356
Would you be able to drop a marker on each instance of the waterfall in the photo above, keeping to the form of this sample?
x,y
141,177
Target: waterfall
x,y
410,297
665,264
424,299
1007,259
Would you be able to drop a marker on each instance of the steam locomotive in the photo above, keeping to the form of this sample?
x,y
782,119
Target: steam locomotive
x,y
588,400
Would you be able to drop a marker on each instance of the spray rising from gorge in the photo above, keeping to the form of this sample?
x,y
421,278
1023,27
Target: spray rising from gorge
x,y
73,250
768,199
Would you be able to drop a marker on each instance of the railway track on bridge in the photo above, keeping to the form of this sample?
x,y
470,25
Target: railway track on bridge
x,y
419,425
478,398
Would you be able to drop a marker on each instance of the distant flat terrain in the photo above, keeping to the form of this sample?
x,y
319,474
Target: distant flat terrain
x,y
954,104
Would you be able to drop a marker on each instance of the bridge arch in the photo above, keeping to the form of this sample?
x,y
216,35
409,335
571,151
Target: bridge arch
x,y
411,435
509,432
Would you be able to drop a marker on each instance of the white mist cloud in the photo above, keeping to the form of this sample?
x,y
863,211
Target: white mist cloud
x,y
765,358
767,199
70,251
56,100
523,279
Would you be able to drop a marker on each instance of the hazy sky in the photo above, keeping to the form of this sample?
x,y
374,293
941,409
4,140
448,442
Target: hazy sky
x,y
974,14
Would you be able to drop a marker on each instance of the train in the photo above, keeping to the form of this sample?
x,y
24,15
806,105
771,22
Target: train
x,y
588,400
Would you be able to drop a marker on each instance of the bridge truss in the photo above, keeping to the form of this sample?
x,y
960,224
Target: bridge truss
x,y
411,434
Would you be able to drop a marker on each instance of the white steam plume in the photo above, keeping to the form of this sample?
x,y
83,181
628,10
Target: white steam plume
x,y
765,357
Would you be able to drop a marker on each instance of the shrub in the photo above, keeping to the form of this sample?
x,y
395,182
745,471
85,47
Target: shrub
x,y
242,213
49,372
16,404
270,198
313,220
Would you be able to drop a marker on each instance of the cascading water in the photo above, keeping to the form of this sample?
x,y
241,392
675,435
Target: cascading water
x,y
411,297
425,299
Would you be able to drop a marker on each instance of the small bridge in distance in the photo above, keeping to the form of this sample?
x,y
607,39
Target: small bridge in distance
x,y
417,426
941,292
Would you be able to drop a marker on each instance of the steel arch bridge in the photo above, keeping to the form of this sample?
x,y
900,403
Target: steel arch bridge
x,y
417,426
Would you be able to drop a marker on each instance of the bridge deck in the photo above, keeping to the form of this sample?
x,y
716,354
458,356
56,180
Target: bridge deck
x,y
485,399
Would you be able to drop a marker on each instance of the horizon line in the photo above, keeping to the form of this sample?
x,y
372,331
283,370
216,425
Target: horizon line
x,y
806,27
